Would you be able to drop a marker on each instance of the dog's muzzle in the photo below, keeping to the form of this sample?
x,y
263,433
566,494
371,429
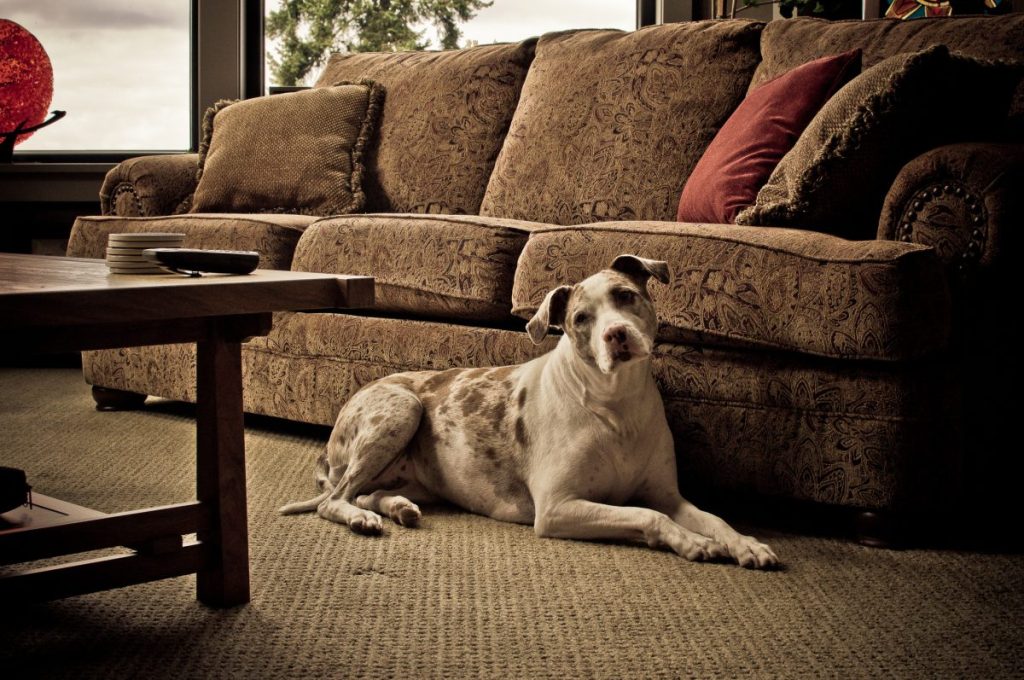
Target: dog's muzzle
x,y
617,339
623,343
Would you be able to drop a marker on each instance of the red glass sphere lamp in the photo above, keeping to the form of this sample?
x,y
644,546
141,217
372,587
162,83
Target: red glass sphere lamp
x,y
26,87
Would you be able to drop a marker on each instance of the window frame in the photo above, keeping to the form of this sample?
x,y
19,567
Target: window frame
x,y
227,47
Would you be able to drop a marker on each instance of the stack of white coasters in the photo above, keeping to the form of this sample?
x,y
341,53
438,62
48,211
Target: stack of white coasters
x,y
124,251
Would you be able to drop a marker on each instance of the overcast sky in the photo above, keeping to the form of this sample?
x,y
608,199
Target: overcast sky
x,y
121,71
513,20
121,67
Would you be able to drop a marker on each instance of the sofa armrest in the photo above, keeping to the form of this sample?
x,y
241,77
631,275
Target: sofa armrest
x,y
148,186
964,200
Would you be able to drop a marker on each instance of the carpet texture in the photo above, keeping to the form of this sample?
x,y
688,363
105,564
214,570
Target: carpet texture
x,y
465,596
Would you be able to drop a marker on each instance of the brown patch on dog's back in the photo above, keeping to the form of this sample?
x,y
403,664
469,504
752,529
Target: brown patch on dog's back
x,y
471,402
496,414
439,384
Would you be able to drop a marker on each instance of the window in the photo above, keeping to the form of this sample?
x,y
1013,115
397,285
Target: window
x,y
503,21
121,70
514,20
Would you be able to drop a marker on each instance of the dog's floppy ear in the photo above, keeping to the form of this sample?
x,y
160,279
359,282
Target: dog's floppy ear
x,y
550,313
641,268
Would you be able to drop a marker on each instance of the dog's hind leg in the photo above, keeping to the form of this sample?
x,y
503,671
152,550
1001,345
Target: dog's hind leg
x,y
396,503
372,431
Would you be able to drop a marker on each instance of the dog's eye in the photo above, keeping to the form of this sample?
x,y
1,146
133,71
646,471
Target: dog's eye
x,y
624,296
580,318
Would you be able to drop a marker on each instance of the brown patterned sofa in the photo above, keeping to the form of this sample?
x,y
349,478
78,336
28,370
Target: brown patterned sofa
x,y
865,373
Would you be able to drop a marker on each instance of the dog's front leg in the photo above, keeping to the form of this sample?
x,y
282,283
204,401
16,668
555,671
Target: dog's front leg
x,y
581,519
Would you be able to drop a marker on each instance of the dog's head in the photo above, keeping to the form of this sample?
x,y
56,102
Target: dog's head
x,y
608,317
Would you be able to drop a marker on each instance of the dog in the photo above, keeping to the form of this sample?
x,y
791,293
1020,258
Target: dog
x,y
562,442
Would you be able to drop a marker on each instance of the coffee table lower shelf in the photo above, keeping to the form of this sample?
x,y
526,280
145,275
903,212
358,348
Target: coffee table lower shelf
x,y
45,511
60,528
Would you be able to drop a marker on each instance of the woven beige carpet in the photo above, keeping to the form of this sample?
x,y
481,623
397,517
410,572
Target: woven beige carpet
x,y
466,596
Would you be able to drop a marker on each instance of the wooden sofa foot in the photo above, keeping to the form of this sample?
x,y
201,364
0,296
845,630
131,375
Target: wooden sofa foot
x,y
109,399
879,529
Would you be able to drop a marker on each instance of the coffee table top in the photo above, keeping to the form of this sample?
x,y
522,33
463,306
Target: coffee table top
x,y
37,291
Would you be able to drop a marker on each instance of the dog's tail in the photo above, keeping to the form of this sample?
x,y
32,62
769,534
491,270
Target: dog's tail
x,y
304,506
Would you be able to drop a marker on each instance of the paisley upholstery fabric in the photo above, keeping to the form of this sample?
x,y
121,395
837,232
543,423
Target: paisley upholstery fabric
x,y
300,152
789,425
147,186
610,124
835,177
444,118
768,288
787,44
451,266
310,364
791,362
273,236
774,423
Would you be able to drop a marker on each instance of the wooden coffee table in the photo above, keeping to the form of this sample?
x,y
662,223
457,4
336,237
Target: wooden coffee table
x,y
56,304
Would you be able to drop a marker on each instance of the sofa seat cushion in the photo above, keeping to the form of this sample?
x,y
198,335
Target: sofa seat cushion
x,y
610,124
447,266
443,122
787,44
274,236
769,288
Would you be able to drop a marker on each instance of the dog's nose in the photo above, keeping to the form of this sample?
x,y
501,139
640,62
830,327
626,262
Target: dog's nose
x,y
615,335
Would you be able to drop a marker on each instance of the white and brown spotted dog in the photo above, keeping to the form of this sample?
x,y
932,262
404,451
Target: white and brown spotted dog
x,y
563,442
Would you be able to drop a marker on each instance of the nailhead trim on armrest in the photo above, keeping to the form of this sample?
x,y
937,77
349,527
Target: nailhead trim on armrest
x,y
957,199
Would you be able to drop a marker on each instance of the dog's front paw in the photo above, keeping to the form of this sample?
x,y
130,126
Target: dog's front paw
x,y
752,554
695,547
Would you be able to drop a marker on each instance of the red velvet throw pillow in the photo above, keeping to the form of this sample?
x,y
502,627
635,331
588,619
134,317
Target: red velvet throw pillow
x,y
757,135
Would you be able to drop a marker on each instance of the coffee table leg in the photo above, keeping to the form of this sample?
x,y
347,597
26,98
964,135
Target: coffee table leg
x,y
220,471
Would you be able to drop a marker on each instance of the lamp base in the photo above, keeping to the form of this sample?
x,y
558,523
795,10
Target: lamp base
x,y
11,138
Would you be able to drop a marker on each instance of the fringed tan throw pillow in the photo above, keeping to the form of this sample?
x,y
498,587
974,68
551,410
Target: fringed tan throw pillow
x,y
289,153
836,176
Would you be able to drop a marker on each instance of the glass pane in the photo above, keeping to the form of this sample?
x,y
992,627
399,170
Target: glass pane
x,y
121,70
513,20
503,21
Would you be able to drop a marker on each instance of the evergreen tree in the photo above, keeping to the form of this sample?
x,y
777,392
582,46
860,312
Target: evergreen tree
x,y
309,30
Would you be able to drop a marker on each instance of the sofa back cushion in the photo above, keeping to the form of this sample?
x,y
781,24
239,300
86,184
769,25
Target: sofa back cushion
x,y
444,119
294,153
756,137
836,176
787,44
610,124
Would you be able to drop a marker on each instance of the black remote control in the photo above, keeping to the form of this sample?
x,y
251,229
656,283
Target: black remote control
x,y
192,261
